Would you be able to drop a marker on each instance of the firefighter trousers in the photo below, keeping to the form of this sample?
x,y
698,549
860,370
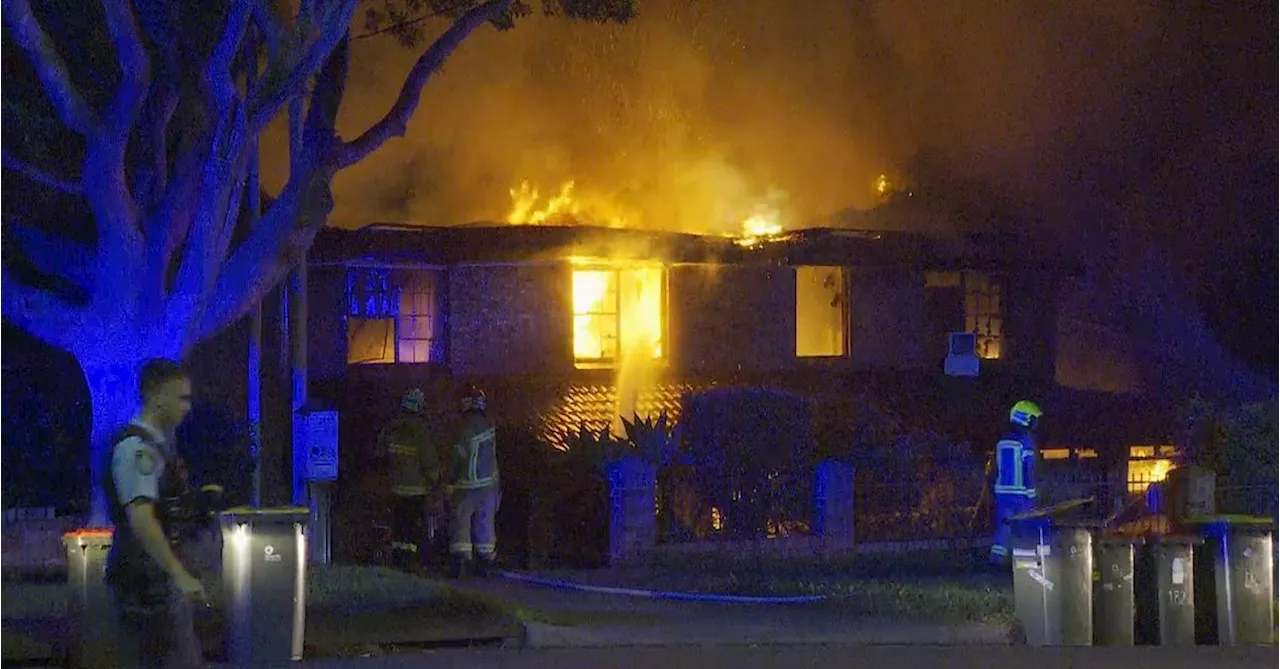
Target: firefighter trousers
x,y
1007,506
471,530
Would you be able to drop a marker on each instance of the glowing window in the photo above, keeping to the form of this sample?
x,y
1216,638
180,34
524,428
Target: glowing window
x,y
370,341
391,318
416,322
617,312
820,312
984,313
983,307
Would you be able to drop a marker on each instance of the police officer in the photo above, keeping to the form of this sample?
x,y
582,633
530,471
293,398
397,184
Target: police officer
x,y
1015,486
413,471
152,590
474,487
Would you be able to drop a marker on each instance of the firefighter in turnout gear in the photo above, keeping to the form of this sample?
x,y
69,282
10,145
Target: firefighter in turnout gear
x,y
474,486
1015,485
152,590
410,448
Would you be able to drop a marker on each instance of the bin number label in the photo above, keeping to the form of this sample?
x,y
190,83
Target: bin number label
x,y
270,555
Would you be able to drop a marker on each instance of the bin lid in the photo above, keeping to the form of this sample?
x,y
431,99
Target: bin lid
x,y
1179,539
89,535
1052,512
1120,540
1218,526
274,514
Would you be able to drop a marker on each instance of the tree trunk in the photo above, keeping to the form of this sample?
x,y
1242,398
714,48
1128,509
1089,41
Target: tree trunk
x,y
113,396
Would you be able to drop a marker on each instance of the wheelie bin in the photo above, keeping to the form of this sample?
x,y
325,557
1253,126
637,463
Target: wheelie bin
x,y
1053,575
1113,589
1235,589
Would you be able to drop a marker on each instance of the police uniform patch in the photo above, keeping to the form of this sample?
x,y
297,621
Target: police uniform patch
x,y
144,462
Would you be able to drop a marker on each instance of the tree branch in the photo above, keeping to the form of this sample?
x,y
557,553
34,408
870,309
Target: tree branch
x,y
396,121
277,240
40,176
33,40
218,71
159,21
135,74
41,314
56,256
274,98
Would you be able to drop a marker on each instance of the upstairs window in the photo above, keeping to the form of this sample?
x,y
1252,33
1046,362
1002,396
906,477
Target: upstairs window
x,y
983,307
821,315
392,316
617,312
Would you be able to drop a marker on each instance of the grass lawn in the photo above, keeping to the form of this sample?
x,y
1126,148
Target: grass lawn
x,y
350,610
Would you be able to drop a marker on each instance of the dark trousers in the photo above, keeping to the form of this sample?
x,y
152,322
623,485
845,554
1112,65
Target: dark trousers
x,y
410,545
158,635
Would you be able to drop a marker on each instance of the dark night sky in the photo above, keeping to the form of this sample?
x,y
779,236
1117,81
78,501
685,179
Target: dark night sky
x,y
1140,136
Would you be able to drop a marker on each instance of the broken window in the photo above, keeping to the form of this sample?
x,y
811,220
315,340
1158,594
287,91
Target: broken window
x,y
981,298
617,312
391,317
820,312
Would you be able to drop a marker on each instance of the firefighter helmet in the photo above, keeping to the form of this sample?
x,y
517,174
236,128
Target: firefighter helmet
x,y
1025,413
472,399
413,400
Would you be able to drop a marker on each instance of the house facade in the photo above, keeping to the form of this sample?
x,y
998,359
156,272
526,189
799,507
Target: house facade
x,y
572,325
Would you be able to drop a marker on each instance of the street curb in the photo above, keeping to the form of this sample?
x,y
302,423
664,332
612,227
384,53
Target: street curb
x,y
542,635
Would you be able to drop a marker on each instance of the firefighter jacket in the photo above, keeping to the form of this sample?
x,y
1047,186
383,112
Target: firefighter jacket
x,y
409,443
1016,464
475,457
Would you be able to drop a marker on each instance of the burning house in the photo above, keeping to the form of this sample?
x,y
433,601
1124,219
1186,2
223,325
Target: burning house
x,y
573,325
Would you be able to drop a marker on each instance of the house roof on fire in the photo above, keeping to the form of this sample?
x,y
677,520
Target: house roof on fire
x,y
485,243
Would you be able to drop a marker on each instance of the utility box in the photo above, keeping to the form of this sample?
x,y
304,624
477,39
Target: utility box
x,y
93,617
1190,493
264,574
319,447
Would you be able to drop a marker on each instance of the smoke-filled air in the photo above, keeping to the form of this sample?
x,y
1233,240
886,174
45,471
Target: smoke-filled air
x,y
699,116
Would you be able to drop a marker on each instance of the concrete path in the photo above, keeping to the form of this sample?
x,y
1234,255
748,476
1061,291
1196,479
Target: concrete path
x,y
818,657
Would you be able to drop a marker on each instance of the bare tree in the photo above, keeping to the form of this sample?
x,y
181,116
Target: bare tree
x,y
163,152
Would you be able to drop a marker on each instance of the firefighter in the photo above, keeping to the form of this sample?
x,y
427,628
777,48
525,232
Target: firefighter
x,y
474,488
410,449
1015,485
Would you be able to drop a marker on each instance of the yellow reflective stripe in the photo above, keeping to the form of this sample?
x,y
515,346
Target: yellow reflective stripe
x,y
401,449
459,548
472,485
397,545
408,490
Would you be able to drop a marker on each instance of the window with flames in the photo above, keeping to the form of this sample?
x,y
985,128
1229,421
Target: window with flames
x,y
393,317
617,312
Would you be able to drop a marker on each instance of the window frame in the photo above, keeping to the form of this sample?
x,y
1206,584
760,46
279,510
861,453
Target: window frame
x,y
617,270
846,325
399,280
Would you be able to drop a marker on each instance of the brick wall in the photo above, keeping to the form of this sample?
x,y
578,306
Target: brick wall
x,y
508,319
887,318
732,318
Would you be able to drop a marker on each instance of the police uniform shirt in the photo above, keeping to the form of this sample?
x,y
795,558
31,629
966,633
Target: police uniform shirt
x,y
136,466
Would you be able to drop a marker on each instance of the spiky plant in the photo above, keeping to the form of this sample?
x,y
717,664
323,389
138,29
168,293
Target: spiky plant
x,y
656,440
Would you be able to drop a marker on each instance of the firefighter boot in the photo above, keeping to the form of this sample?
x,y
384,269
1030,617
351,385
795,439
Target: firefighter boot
x,y
484,566
459,565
